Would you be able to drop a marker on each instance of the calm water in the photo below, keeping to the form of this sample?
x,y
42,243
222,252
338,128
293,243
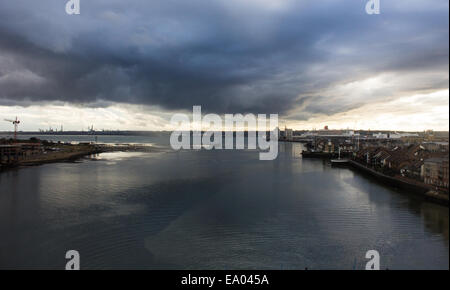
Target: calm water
x,y
212,210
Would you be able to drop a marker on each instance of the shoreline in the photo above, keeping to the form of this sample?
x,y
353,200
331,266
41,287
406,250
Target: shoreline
x,y
77,154
424,191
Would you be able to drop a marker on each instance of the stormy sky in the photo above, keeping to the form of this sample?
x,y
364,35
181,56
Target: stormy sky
x,y
131,64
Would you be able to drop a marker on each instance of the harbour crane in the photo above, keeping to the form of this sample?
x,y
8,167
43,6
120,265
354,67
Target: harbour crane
x,y
16,123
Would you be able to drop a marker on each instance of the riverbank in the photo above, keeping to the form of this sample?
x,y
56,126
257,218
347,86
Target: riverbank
x,y
68,153
418,188
61,156
423,190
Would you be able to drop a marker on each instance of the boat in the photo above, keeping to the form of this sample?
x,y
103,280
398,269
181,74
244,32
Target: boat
x,y
339,161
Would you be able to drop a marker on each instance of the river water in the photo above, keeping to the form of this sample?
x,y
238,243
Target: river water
x,y
212,210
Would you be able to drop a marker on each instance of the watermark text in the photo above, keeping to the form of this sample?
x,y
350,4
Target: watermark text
x,y
207,132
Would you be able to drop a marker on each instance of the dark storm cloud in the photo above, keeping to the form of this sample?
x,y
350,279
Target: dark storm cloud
x,y
228,56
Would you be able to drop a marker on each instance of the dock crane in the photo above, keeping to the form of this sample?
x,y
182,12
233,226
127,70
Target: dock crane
x,y
16,123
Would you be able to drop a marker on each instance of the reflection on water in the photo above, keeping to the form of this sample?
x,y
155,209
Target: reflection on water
x,y
111,158
215,210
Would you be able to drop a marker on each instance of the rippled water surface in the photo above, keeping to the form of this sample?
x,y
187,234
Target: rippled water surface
x,y
213,210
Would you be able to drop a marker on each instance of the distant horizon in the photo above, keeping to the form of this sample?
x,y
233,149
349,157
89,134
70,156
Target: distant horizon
x,y
168,131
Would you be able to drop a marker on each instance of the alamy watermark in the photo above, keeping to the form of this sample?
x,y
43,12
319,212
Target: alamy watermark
x,y
373,7
207,132
374,260
73,7
73,257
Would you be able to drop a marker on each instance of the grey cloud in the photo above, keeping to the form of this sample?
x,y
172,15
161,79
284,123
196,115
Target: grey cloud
x,y
224,55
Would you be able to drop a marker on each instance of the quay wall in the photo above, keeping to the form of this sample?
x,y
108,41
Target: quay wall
x,y
417,189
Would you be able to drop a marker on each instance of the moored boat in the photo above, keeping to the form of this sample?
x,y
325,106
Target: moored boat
x,y
339,161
